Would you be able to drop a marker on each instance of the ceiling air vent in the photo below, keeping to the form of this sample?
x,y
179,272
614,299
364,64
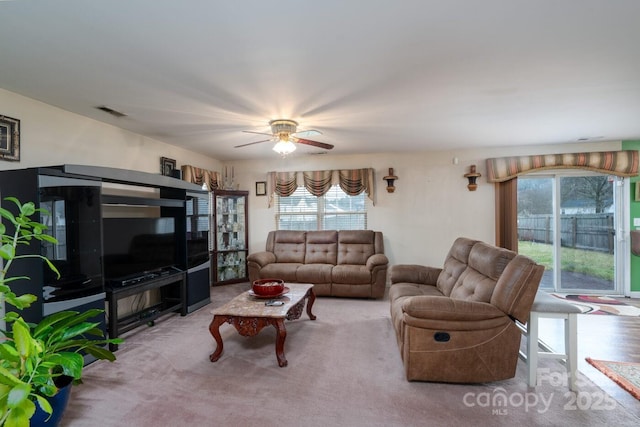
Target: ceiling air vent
x,y
111,111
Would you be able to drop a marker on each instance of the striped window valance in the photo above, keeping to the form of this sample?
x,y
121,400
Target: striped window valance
x,y
200,176
283,183
318,183
619,163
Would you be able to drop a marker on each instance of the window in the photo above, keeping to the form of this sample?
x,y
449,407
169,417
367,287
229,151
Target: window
x,y
336,210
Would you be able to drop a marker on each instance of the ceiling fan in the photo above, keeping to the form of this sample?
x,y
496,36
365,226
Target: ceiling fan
x,y
285,133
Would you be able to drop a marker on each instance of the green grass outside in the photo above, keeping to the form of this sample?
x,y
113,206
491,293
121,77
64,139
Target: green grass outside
x,y
591,263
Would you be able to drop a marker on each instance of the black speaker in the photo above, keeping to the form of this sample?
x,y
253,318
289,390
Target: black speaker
x,y
176,173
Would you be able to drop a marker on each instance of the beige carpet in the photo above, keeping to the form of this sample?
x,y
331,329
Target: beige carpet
x,y
344,370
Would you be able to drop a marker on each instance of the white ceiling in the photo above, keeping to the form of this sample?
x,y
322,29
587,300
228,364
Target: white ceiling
x,y
372,75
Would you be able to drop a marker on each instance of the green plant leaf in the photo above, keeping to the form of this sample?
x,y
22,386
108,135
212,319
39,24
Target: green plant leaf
x,y
8,353
11,316
100,353
48,238
96,332
81,317
63,320
14,278
23,301
28,209
52,267
8,378
44,404
75,330
22,338
8,215
71,363
52,319
7,251
18,394
20,416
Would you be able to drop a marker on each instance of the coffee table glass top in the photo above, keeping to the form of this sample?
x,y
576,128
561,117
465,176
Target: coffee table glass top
x,y
249,306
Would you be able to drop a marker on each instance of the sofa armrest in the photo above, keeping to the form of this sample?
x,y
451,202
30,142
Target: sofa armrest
x,y
447,309
262,258
413,273
377,260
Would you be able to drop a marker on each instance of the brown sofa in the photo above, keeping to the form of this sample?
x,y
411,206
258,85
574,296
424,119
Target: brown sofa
x,y
457,323
348,263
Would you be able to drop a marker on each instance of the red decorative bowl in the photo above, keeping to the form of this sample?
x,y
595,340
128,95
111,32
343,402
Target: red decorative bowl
x,y
268,287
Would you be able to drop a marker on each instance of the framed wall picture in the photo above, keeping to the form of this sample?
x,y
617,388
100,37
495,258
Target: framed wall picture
x,y
261,188
9,139
167,166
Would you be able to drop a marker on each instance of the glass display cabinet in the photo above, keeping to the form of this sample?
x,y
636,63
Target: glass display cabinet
x,y
231,237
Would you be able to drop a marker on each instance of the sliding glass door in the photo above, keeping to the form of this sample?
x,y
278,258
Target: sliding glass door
x,y
569,223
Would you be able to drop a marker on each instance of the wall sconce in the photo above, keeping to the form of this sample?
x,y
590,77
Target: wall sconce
x,y
390,178
472,176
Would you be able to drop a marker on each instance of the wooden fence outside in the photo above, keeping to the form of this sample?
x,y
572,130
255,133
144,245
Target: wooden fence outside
x,y
593,232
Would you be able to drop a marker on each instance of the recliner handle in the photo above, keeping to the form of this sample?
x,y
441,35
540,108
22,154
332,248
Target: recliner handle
x,y
441,336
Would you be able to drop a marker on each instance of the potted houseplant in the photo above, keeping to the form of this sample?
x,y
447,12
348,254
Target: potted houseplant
x,y
34,358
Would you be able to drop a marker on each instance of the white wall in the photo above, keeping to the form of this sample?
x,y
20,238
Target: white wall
x,y
51,136
430,207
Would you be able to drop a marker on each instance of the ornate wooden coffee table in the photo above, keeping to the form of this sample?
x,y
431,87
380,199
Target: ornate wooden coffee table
x,y
249,315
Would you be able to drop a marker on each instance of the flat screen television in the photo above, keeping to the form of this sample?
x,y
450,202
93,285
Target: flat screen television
x,y
135,246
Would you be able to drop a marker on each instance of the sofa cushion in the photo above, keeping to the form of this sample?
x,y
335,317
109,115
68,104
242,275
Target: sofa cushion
x,y
486,264
355,247
289,246
321,248
511,294
314,273
400,290
455,263
353,274
286,271
490,260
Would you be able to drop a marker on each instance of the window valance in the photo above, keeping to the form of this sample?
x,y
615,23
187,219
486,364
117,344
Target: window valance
x,y
351,181
199,176
619,163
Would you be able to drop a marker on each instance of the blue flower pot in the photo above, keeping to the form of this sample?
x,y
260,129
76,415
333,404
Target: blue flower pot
x,y
58,403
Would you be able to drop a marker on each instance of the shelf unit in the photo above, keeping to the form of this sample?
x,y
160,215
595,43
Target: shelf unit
x,y
231,236
113,199
173,290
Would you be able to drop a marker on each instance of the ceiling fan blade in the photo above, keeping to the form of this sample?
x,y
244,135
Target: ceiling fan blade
x,y
313,143
251,143
306,133
259,133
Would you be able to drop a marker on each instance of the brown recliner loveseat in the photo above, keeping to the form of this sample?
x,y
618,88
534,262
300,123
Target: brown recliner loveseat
x,y
347,263
457,323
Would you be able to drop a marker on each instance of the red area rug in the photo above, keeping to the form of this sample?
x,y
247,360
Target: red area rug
x,y
625,374
593,304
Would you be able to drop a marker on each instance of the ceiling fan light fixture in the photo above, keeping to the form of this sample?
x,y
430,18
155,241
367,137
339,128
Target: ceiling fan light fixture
x,y
284,147
285,133
281,125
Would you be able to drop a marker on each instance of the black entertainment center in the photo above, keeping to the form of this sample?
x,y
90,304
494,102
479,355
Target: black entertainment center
x,y
107,253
